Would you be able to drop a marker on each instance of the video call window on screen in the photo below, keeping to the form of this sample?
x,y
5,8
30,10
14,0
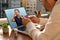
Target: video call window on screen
x,y
10,12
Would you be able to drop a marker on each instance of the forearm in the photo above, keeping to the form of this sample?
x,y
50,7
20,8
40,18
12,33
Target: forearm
x,y
43,21
32,31
12,19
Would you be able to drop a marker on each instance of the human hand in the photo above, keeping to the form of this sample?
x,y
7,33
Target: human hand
x,y
25,21
34,19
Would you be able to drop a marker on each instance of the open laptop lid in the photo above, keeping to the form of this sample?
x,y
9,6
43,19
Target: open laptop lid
x,y
10,12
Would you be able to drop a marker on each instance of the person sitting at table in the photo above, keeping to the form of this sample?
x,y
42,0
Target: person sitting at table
x,y
18,19
52,27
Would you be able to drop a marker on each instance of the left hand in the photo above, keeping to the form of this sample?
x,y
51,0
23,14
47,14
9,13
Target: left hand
x,y
25,21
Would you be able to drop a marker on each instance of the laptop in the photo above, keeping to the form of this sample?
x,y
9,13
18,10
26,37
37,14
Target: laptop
x,y
10,12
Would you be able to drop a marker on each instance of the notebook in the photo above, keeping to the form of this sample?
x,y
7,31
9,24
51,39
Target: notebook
x,y
9,13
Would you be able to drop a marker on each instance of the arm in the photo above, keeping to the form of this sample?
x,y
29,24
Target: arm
x,y
34,33
43,21
12,19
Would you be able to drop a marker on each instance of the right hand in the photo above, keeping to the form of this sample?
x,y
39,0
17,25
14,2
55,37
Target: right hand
x,y
34,19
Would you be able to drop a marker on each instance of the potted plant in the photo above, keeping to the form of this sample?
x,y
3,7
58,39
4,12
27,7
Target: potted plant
x,y
5,28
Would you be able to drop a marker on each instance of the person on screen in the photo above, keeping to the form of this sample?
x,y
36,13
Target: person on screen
x,y
17,17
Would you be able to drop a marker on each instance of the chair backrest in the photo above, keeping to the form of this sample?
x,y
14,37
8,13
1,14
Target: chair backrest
x,y
9,13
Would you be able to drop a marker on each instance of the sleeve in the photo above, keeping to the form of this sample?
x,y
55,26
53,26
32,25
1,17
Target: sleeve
x,y
43,21
32,31
43,37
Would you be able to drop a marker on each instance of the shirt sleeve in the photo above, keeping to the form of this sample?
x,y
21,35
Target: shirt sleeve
x,y
32,31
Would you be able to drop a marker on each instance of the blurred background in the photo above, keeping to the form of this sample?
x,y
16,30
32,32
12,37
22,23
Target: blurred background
x,y
30,5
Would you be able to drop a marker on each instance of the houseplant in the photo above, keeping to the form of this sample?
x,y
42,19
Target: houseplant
x,y
5,28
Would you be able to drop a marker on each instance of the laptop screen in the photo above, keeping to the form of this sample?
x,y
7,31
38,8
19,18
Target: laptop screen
x,y
10,12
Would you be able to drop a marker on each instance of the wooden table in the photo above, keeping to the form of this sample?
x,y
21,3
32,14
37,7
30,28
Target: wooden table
x,y
13,36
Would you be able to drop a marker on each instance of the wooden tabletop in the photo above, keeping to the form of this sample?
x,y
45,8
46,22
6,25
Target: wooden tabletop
x,y
13,36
